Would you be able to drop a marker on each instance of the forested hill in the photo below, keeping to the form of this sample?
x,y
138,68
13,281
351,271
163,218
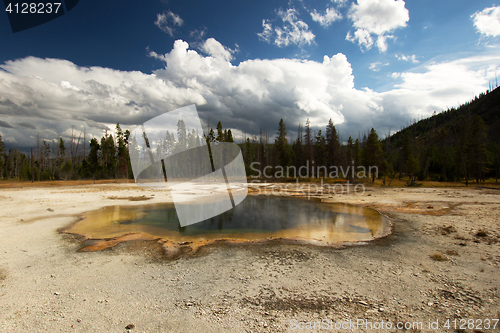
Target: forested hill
x,y
455,144
439,127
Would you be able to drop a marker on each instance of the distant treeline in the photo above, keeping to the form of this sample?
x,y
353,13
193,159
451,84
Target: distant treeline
x,y
106,158
456,145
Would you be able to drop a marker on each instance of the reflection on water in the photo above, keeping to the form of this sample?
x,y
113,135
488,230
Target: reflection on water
x,y
256,218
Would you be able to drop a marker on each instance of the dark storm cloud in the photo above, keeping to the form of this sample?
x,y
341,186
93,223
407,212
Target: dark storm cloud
x,y
27,125
5,124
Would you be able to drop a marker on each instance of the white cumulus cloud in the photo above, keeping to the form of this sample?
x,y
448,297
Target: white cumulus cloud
x,y
487,21
340,3
54,94
376,18
404,57
331,15
167,21
437,86
376,66
291,32
48,96
215,49
260,91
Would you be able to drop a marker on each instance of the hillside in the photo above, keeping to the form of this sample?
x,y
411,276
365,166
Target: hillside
x,y
451,145
487,106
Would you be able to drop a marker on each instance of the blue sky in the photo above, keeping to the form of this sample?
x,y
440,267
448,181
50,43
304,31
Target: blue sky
x,y
363,63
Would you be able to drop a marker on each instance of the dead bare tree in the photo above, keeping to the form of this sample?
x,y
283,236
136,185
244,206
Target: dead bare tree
x,y
84,143
72,147
53,158
77,145
32,167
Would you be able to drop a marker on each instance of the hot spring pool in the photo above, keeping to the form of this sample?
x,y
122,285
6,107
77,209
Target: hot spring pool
x,y
257,218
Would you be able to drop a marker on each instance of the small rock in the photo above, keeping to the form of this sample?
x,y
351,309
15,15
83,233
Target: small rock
x,y
380,309
50,209
79,320
363,303
430,304
130,326
56,293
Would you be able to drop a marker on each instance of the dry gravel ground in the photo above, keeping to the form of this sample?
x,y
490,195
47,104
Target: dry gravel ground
x,y
46,285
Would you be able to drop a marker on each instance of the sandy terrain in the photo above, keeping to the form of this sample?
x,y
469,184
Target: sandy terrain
x,y
47,285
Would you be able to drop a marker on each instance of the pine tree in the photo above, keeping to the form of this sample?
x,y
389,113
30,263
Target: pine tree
x,y
320,149
406,153
193,140
210,137
349,158
220,133
412,167
308,144
495,149
281,143
356,155
94,157
61,153
45,158
108,153
122,152
169,143
2,156
372,152
299,149
333,144
2,145
229,136
387,170
248,154
476,151
182,136
263,150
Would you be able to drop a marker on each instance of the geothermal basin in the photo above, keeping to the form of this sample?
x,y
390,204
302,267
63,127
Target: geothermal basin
x,y
258,218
